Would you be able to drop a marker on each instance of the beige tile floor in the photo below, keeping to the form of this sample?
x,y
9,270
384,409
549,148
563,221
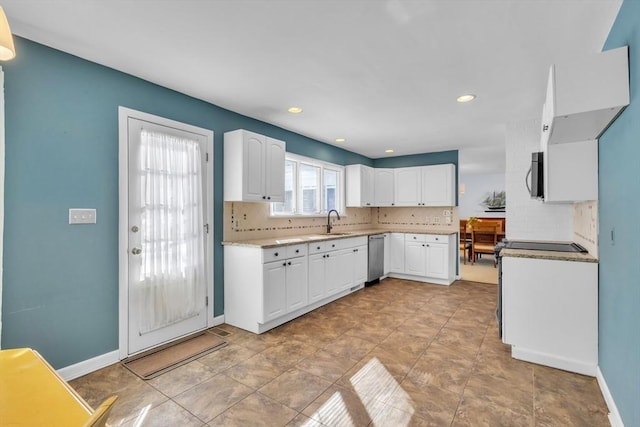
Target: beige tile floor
x,y
399,353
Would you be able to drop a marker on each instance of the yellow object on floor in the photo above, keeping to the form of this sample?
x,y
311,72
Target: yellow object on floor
x,y
33,394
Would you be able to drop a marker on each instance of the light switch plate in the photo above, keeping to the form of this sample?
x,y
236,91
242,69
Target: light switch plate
x,y
82,216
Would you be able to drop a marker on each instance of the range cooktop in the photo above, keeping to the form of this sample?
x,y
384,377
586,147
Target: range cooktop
x,y
547,246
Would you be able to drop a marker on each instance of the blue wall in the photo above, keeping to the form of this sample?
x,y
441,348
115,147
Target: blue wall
x,y
619,189
60,282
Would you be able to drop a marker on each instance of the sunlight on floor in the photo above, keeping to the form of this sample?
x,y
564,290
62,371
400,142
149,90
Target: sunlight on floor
x,y
374,385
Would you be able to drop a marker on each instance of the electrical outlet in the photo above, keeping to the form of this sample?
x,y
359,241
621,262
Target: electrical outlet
x,y
82,216
436,220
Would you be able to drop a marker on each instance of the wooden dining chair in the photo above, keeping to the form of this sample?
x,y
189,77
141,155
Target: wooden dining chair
x,y
464,244
484,237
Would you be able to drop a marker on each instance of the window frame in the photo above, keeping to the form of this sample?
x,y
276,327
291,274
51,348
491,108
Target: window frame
x,y
297,196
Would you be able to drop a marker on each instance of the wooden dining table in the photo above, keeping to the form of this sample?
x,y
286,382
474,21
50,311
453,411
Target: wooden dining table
x,y
33,394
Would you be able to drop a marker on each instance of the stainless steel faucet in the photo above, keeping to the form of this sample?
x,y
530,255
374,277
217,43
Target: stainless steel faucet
x,y
329,226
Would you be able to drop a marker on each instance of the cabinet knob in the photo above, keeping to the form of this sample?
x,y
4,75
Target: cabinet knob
x,y
297,251
269,198
333,246
327,255
289,263
545,128
318,247
276,254
284,264
393,204
264,197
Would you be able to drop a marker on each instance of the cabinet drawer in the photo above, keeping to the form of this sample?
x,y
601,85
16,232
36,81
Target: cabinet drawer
x,y
317,247
274,254
296,250
352,242
421,238
436,238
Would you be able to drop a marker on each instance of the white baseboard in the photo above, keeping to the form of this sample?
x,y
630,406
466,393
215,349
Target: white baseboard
x,y
87,366
218,320
614,415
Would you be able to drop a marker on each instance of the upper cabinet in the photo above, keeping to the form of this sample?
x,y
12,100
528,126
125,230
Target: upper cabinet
x,y
383,194
584,95
425,186
359,185
253,167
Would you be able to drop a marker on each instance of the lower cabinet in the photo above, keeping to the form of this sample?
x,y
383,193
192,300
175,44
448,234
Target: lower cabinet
x,y
424,257
265,288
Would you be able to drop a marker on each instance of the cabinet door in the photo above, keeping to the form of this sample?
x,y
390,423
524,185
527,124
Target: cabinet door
x,y
274,295
396,253
387,250
438,184
415,258
437,261
253,167
367,186
407,186
383,187
360,264
332,273
317,277
296,279
274,173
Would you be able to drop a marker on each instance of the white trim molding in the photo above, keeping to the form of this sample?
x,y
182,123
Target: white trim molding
x,y
614,416
87,366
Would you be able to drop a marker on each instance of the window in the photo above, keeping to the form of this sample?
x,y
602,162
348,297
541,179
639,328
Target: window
x,y
312,187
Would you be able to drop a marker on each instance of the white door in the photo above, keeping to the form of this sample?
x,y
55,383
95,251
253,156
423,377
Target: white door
x,y
274,164
296,283
254,167
437,261
166,234
274,292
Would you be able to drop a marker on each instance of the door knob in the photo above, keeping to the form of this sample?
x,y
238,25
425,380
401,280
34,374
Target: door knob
x,y
136,251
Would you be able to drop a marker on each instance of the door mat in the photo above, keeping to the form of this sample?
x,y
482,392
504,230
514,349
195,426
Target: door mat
x,y
158,361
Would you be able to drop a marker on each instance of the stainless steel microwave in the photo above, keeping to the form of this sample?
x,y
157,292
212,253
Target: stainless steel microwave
x,y
537,176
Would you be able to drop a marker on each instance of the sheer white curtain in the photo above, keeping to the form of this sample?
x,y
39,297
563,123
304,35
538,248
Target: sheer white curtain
x,y
173,263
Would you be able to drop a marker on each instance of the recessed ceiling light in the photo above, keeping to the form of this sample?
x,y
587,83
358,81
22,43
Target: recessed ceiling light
x,y
340,140
388,151
466,98
295,110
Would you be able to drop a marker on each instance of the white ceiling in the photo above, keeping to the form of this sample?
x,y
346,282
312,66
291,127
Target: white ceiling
x,y
380,73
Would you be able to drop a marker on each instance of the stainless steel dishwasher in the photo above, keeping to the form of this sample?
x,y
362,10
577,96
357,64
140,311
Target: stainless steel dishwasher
x,y
376,258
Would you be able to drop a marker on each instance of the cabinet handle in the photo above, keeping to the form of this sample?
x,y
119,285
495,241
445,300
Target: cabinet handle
x,y
545,128
289,263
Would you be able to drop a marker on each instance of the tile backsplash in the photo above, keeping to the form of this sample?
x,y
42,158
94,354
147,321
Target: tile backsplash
x,y
585,225
244,221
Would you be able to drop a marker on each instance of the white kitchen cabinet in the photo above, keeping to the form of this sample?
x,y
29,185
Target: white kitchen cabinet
x,y
570,171
408,186
360,185
584,95
424,257
264,288
550,312
360,264
253,167
396,255
425,186
383,187
387,254
438,185
415,258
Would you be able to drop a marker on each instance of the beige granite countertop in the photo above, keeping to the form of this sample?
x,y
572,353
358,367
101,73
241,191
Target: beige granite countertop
x,y
306,238
551,255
